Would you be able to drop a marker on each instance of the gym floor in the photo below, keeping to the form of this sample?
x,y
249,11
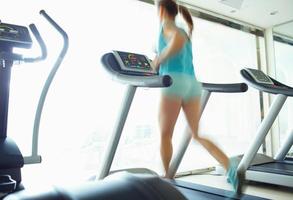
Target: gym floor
x,y
256,189
33,175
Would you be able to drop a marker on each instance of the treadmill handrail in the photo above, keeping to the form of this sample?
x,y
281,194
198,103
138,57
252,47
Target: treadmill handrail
x,y
277,88
225,88
138,81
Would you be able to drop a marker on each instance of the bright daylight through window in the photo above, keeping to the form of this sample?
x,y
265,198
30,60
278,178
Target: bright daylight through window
x,y
83,102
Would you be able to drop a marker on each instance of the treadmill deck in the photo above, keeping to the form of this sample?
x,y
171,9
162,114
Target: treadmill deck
x,y
194,191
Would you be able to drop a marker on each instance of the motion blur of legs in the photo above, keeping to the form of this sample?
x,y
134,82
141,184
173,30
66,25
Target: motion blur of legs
x,y
191,110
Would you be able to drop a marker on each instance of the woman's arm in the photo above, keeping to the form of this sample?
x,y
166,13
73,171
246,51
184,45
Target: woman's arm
x,y
176,41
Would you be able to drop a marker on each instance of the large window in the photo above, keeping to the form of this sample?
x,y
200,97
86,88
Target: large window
x,y
83,102
284,71
230,120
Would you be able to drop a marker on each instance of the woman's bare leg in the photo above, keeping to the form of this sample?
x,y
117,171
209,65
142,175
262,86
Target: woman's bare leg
x,y
192,110
168,114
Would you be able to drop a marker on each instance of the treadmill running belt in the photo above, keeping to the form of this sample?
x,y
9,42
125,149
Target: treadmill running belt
x,y
282,167
195,191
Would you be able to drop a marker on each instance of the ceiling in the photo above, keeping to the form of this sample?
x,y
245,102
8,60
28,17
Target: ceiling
x,y
259,13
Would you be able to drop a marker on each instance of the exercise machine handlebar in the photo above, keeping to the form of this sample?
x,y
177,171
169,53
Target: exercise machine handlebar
x,y
225,88
111,66
41,43
57,27
35,158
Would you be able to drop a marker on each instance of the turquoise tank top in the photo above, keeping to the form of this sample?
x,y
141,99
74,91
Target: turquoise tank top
x,y
181,62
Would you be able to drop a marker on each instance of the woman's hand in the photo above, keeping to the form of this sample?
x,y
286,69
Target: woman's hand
x,y
156,63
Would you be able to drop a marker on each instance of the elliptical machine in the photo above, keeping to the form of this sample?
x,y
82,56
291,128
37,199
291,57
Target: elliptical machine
x,y
11,36
11,159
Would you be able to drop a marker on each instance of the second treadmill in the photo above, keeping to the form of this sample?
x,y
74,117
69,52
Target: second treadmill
x,y
277,170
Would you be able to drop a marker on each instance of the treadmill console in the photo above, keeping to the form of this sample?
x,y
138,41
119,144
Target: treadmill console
x,y
259,77
14,36
134,63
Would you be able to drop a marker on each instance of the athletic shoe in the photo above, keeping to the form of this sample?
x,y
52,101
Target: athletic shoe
x,y
235,178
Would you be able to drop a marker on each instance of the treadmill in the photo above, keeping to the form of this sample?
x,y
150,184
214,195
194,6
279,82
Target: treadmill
x,y
277,170
134,70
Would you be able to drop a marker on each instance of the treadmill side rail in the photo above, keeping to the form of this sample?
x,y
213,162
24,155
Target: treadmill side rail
x,y
271,178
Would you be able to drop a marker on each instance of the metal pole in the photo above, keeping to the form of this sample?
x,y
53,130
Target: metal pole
x,y
35,158
285,148
5,74
117,131
262,132
273,141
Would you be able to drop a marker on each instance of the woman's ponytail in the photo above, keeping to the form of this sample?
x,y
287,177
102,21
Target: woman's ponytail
x,y
173,8
187,17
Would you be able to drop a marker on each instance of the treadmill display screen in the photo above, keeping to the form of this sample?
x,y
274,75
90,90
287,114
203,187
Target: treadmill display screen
x,y
133,62
259,76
